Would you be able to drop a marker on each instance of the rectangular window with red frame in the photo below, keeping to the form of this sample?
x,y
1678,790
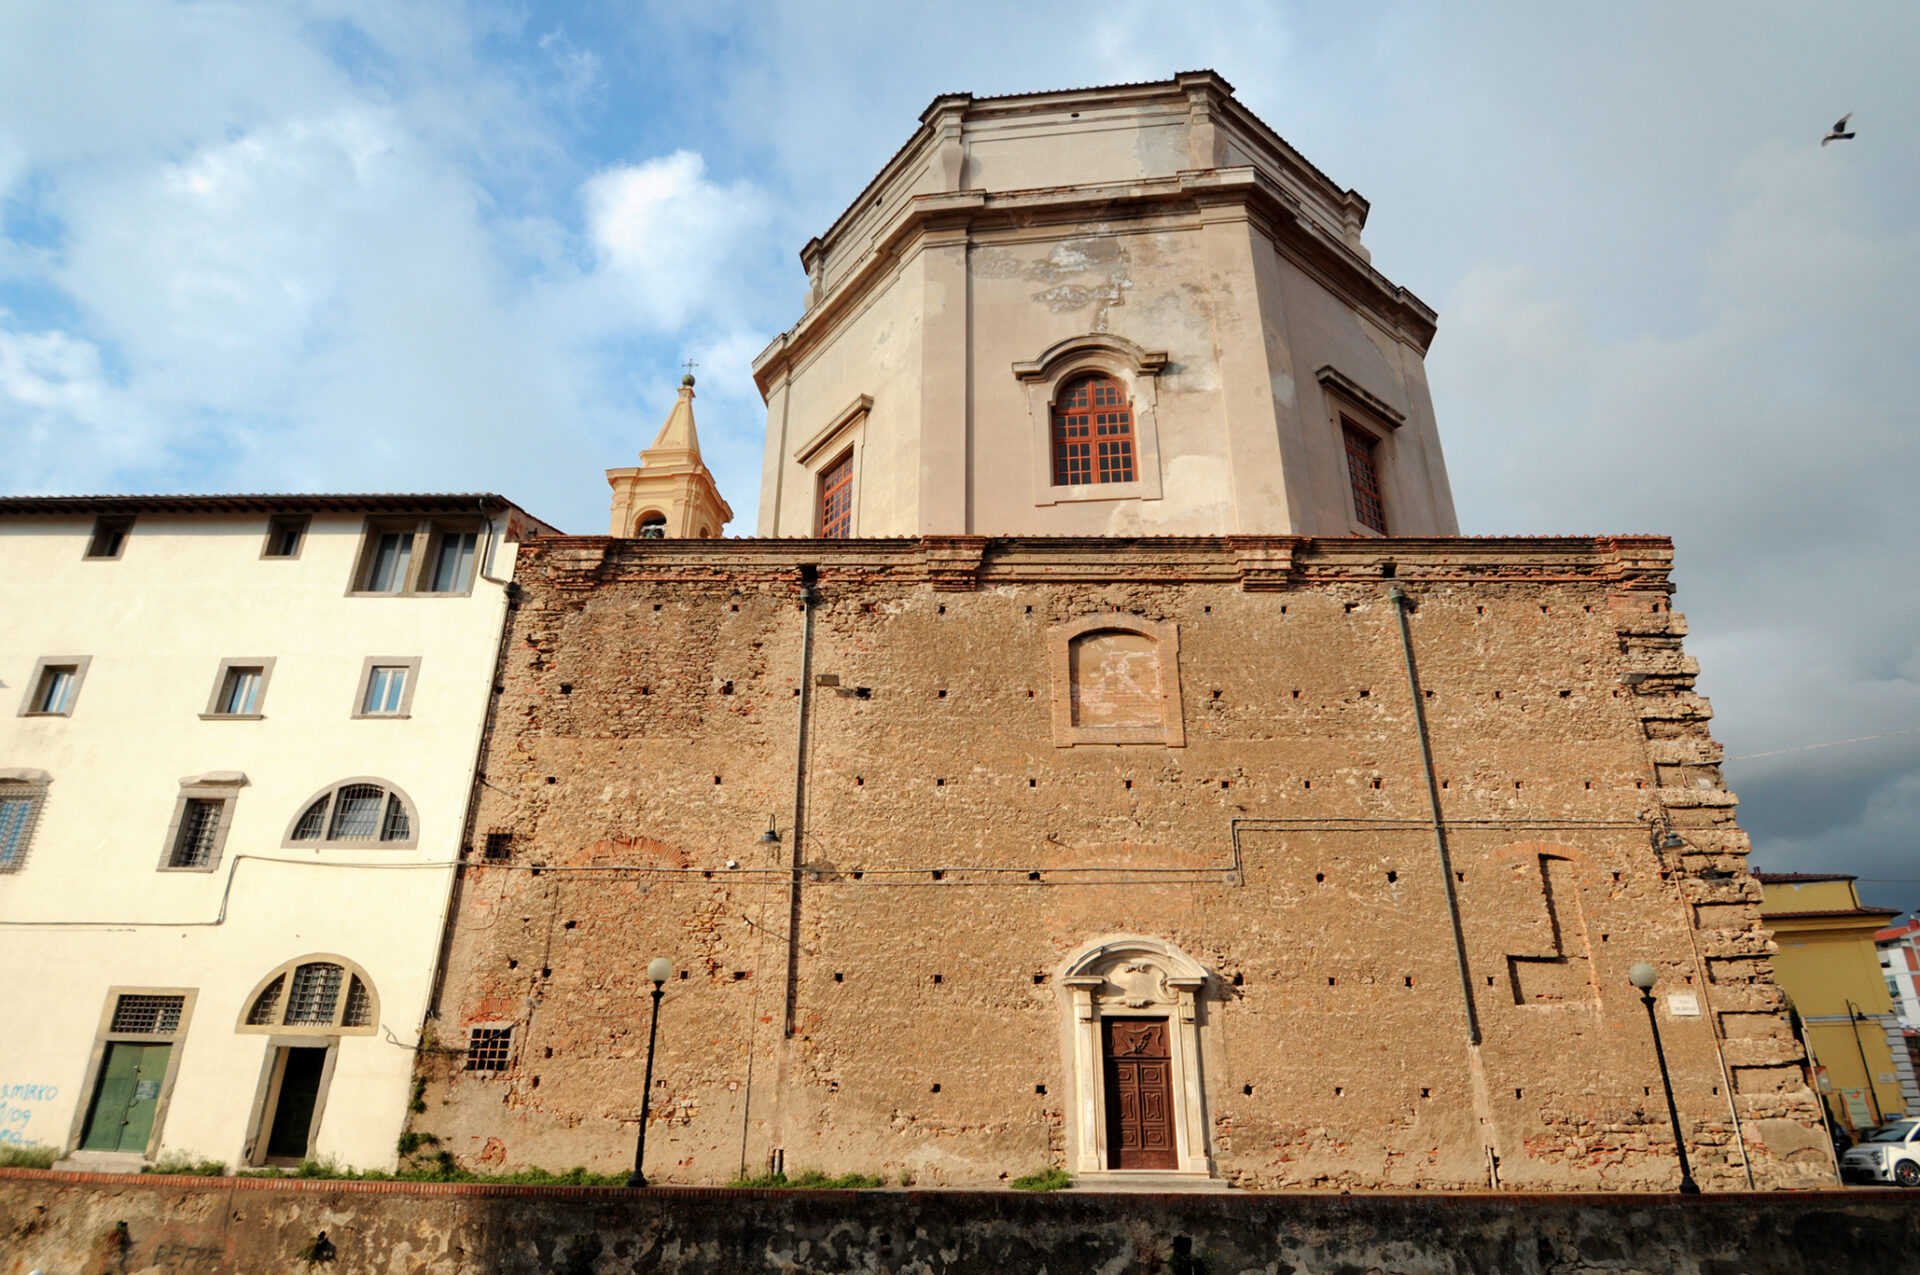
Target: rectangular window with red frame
x,y
836,499
1364,471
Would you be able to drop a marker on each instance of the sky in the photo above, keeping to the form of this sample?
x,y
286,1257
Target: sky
x,y
377,246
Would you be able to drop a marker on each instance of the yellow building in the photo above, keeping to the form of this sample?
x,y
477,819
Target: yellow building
x,y
1830,969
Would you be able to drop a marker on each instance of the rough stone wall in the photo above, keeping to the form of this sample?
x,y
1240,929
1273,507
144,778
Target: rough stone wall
x,y
99,1224
883,990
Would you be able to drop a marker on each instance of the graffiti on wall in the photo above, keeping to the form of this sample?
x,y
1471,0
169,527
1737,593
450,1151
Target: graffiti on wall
x,y
18,1106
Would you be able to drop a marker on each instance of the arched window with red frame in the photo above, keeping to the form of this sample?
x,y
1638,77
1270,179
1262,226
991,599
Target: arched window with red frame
x,y
1092,432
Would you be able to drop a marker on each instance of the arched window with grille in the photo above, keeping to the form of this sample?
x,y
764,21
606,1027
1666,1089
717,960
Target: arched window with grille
x,y
317,995
1093,439
363,811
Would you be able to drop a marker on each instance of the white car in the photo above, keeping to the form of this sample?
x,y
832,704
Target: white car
x,y
1890,1153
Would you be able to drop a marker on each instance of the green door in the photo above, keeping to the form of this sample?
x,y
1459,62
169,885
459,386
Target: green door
x,y
129,1094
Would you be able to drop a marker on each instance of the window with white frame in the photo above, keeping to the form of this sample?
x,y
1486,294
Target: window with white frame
x,y
54,686
239,688
357,812
386,686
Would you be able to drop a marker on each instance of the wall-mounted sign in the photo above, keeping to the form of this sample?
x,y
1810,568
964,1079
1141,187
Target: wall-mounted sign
x,y
1683,1005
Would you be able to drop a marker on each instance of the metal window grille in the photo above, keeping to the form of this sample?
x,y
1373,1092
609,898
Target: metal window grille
x,y
359,1010
18,814
356,813
489,1048
199,829
395,827
836,499
313,821
315,992
1367,505
266,1006
1093,434
499,845
239,691
147,1015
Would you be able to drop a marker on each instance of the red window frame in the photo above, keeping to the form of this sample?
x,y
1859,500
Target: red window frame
x,y
836,499
1363,469
1093,440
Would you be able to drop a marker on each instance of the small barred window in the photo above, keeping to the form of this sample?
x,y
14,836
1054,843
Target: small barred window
x,y
357,813
266,1006
316,996
147,1015
315,991
489,1048
359,1011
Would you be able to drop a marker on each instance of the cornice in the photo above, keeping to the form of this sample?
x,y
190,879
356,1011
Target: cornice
x,y
1253,563
954,216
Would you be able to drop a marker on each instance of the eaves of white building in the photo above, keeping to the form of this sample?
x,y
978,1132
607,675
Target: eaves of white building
x,y
237,746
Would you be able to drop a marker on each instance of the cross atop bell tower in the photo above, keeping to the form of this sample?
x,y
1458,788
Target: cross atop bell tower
x,y
670,493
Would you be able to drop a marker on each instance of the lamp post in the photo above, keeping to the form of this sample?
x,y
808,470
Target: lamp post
x,y
658,970
1643,976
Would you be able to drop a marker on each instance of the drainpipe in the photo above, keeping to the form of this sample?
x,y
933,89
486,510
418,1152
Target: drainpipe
x,y
1873,1094
809,575
1401,605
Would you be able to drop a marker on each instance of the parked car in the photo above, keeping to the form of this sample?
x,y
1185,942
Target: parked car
x,y
1890,1153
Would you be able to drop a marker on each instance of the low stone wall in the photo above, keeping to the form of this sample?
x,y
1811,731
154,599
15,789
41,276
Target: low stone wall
x,y
100,1224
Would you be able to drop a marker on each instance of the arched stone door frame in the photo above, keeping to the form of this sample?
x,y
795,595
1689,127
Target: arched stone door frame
x,y
1134,976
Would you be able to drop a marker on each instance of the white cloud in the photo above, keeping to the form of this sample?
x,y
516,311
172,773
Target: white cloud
x,y
667,234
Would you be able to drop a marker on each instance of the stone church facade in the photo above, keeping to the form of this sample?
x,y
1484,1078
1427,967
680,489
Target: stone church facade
x,y
1299,843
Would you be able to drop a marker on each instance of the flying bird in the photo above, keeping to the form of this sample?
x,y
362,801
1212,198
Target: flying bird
x,y
1838,133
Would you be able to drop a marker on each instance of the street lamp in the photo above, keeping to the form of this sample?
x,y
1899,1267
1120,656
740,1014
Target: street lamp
x,y
659,970
1643,976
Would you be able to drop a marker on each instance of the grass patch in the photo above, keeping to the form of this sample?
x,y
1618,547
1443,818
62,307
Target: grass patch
x,y
1047,1179
810,1180
441,1168
179,1162
34,1156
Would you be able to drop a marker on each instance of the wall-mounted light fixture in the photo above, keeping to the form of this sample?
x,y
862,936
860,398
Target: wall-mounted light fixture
x,y
771,837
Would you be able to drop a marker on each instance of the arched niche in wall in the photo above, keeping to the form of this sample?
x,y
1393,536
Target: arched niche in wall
x,y
1135,1005
1116,680
1049,375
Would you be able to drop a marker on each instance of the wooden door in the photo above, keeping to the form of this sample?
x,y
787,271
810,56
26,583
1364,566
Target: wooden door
x,y
1139,1076
128,1096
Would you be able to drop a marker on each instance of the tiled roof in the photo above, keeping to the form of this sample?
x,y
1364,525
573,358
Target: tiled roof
x,y
260,502
1784,878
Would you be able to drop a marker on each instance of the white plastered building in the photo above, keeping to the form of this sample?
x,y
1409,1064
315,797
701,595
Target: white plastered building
x,y
238,738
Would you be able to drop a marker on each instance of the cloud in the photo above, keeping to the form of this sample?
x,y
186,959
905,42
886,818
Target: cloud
x,y
666,234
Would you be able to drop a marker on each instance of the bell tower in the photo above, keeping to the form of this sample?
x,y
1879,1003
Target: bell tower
x,y
670,493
